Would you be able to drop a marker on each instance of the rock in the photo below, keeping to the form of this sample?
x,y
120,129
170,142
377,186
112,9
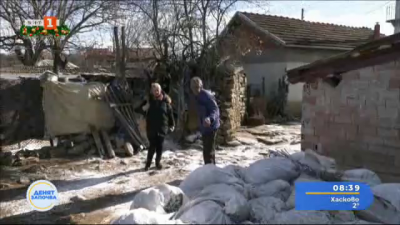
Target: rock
x,y
233,143
3,186
295,142
24,180
7,159
78,198
269,141
246,138
123,162
35,169
152,173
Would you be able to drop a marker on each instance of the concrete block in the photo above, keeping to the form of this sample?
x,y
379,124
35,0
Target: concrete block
x,y
370,139
343,119
367,73
367,129
360,84
384,149
307,130
351,75
384,112
384,84
355,102
390,95
392,103
385,132
392,142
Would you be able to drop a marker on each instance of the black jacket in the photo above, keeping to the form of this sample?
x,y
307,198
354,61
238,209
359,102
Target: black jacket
x,y
159,117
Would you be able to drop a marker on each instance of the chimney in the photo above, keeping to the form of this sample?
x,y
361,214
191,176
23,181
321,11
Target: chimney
x,y
302,14
377,31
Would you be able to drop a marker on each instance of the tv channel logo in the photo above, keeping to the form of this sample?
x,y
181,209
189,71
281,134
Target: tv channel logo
x,y
42,195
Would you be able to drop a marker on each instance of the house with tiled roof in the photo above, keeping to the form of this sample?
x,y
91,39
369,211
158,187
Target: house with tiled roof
x,y
286,43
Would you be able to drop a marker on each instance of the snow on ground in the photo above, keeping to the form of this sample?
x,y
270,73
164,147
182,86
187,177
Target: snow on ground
x,y
105,186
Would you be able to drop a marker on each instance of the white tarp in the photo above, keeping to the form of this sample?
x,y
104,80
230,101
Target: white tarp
x,y
71,108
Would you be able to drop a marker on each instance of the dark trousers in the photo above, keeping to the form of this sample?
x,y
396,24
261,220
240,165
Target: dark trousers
x,y
156,146
209,147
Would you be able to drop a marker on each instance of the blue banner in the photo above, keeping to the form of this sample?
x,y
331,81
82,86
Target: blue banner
x,y
333,196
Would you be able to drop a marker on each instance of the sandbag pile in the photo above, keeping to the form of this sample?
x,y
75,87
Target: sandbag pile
x,y
262,193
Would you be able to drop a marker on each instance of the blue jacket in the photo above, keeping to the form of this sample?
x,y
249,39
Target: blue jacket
x,y
207,107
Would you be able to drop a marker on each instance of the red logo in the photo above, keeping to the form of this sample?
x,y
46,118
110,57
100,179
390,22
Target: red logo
x,y
50,22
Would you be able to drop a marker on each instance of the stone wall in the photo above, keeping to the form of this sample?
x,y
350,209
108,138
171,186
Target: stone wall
x,y
231,96
357,122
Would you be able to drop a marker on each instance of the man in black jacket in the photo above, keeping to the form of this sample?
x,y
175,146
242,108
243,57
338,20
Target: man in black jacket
x,y
159,122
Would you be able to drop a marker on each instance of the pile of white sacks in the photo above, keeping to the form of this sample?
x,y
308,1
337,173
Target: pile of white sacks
x,y
262,193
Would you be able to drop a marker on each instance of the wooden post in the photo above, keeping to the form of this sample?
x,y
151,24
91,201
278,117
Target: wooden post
x,y
117,52
123,59
107,143
97,141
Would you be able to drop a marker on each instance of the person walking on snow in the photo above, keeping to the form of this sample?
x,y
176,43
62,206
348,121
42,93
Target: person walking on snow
x,y
159,122
208,112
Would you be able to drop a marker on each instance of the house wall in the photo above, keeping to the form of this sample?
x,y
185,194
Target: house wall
x,y
272,65
357,122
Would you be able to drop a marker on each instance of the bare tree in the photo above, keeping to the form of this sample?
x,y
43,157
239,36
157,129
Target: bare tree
x,y
12,14
79,16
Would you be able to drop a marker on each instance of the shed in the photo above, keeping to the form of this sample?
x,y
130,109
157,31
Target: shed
x,y
351,107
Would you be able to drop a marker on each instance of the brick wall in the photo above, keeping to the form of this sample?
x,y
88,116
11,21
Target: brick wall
x,y
357,122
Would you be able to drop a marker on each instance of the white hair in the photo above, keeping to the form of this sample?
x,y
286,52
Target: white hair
x,y
196,82
155,86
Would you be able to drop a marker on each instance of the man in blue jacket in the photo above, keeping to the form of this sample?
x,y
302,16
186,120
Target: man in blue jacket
x,y
208,112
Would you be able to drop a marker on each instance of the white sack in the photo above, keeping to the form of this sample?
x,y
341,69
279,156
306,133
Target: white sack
x,y
390,192
278,189
315,161
358,222
234,203
266,170
381,211
263,210
236,170
143,216
150,199
342,216
361,175
161,199
290,203
173,197
207,175
301,217
206,212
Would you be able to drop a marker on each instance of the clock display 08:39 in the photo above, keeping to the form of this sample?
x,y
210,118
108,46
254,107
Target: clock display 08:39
x,y
349,187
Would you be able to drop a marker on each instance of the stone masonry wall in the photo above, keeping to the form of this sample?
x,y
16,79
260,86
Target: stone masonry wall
x,y
231,98
357,122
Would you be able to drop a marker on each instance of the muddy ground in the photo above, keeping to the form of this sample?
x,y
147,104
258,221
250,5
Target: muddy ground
x,y
92,189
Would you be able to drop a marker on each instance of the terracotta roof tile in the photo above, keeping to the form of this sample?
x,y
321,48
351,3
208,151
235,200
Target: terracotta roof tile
x,y
301,32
